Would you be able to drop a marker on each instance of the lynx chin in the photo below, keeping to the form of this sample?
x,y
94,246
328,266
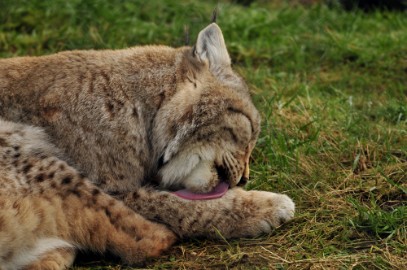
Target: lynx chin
x,y
93,145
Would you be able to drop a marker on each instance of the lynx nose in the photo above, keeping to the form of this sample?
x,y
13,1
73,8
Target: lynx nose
x,y
243,181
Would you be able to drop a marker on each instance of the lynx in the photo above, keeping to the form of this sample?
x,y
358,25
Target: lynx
x,y
126,150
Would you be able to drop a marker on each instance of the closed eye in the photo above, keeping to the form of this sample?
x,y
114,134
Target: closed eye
x,y
234,110
160,163
232,134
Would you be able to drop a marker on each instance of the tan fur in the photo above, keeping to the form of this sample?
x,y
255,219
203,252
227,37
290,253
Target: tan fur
x,y
126,119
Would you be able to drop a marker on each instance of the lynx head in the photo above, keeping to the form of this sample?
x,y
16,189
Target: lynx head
x,y
206,132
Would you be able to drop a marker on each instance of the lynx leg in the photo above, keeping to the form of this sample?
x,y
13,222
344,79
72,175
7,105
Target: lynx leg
x,y
100,223
57,259
238,213
130,235
94,221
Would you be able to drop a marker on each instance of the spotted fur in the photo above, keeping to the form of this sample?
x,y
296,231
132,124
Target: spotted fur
x,y
48,209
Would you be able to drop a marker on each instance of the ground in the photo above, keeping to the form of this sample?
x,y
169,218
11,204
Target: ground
x,y
331,86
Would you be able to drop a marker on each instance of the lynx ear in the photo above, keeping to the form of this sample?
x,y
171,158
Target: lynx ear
x,y
210,47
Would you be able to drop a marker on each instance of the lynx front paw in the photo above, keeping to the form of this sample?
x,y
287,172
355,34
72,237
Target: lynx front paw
x,y
279,208
265,211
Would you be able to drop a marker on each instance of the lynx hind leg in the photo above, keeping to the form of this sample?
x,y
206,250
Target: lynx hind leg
x,y
54,260
90,219
100,222
132,237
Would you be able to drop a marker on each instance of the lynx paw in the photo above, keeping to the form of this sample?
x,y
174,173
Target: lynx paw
x,y
282,208
271,211
157,241
155,238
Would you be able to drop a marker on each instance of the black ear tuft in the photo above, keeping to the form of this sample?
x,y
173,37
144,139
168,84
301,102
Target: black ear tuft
x,y
214,15
186,34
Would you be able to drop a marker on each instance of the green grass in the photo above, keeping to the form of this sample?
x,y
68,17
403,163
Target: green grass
x,y
332,90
